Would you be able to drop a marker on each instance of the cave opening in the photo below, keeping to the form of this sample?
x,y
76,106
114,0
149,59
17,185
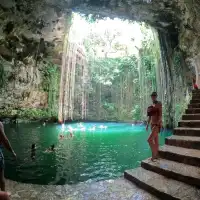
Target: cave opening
x,y
111,67
34,39
113,64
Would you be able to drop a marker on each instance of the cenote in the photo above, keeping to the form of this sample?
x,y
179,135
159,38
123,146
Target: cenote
x,y
99,151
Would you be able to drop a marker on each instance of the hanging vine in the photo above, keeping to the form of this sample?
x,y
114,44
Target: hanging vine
x,y
51,77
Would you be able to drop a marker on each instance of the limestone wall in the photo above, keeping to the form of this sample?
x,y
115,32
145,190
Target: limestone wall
x,y
31,42
32,34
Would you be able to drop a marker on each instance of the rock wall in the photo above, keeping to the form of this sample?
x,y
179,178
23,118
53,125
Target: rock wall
x,y
32,34
31,42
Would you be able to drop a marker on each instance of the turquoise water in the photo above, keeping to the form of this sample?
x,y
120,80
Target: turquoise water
x,y
96,153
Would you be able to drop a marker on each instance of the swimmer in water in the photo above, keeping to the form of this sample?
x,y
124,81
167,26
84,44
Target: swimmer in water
x,y
71,134
61,136
33,149
50,149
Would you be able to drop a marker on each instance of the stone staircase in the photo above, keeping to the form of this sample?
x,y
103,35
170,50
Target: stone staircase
x,y
176,175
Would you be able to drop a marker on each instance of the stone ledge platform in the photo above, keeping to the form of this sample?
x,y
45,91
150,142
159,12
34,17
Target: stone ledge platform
x,y
119,189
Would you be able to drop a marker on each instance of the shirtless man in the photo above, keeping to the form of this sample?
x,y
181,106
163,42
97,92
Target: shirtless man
x,y
3,142
155,118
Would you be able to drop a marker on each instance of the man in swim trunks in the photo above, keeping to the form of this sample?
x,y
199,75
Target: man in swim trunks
x,y
154,113
3,142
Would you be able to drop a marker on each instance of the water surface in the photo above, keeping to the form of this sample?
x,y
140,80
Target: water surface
x,y
95,151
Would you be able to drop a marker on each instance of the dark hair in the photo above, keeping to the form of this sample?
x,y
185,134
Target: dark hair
x,y
52,146
32,146
154,94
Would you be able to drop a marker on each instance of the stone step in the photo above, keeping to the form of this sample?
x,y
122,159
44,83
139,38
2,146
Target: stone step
x,y
196,95
178,171
189,123
160,186
183,141
179,154
184,131
191,117
194,105
195,91
192,110
194,101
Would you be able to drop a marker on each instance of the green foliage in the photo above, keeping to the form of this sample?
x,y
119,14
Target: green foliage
x,y
121,80
25,113
32,113
124,69
177,59
136,113
180,97
51,77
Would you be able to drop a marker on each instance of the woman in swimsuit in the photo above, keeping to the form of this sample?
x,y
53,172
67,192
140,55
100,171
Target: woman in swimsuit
x,y
154,114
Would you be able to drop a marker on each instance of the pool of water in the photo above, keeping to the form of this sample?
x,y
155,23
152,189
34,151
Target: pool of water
x,y
95,151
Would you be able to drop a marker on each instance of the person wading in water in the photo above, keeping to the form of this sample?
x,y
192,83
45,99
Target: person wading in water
x,y
154,113
3,142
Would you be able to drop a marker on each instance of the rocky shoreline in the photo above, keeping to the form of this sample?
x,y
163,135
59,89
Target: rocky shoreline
x,y
104,190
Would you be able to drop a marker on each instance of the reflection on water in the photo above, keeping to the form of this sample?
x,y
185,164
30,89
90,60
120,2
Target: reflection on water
x,y
85,152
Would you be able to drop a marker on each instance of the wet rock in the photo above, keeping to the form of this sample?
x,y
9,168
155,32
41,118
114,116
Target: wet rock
x,y
15,196
9,27
34,194
6,53
7,3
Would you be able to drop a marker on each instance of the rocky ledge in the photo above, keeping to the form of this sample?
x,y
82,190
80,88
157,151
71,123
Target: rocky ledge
x,y
103,190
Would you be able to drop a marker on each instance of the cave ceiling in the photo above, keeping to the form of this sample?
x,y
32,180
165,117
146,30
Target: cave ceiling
x,y
178,18
161,14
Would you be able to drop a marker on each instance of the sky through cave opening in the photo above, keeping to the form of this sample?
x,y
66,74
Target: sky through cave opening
x,y
111,67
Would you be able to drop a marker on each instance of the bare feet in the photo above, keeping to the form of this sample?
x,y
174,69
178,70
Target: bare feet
x,y
153,159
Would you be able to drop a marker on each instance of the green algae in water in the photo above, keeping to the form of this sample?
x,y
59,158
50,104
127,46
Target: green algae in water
x,y
97,151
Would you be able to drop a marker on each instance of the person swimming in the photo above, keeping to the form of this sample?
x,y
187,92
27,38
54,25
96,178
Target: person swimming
x,y
71,135
51,148
61,137
33,149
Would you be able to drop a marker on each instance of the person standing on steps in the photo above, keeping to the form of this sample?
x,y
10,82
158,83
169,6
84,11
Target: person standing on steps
x,y
3,142
154,113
